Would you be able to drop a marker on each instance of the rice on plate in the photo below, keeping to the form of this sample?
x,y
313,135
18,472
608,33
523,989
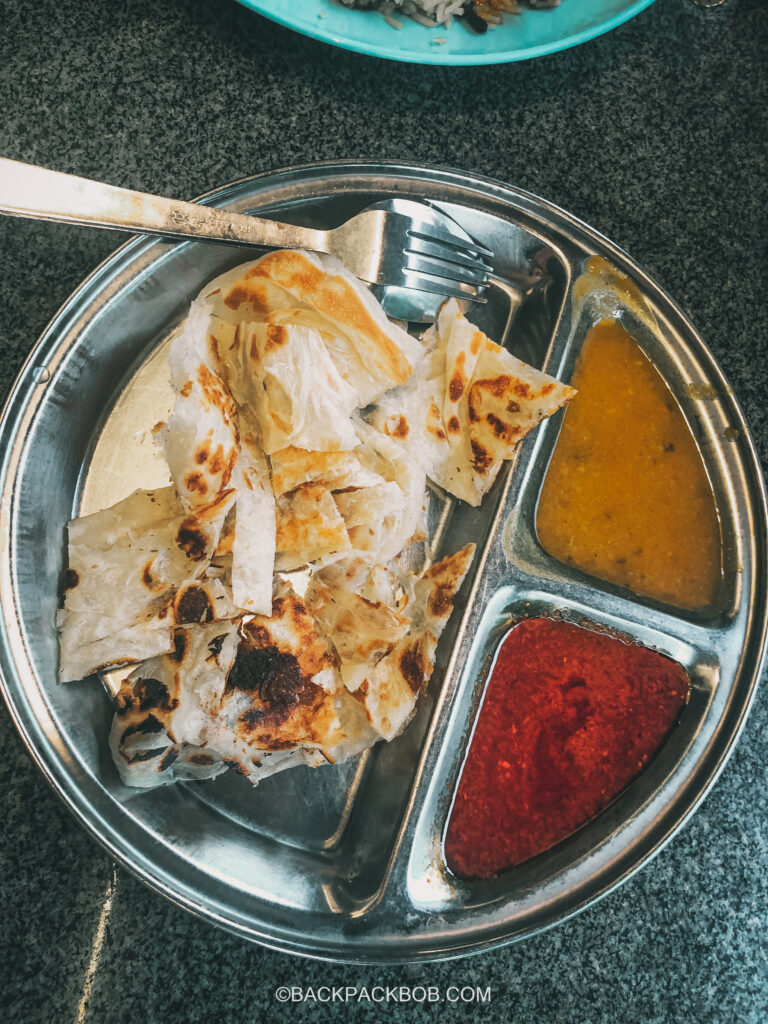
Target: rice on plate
x,y
478,14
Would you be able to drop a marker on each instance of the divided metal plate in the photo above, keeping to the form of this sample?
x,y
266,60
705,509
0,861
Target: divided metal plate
x,y
345,862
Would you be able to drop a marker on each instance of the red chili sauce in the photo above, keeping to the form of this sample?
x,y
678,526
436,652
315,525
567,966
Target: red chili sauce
x,y
570,717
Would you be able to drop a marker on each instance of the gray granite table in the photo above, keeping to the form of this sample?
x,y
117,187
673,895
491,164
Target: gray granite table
x,y
655,134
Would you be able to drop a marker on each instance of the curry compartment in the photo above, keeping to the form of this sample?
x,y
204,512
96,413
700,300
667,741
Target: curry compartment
x,y
626,497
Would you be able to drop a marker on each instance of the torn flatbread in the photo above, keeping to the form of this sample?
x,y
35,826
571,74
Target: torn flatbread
x,y
211,441
389,689
201,438
362,631
467,407
134,572
337,470
159,733
300,399
380,497
309,527
406,520
315,290
254,534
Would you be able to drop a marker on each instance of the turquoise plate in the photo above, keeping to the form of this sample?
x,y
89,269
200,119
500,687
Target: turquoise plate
x,y
530,34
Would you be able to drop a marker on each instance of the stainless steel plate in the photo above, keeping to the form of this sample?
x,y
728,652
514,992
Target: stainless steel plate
x,y
345,863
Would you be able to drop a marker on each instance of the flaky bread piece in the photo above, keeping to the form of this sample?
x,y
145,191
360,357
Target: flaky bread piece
x,y
260,697
467,407
384,668
316,291
134,572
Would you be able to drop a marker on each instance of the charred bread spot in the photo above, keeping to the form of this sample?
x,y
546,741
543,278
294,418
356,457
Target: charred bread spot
x,y
186,390
191,540
216,644
496,386
277,336
311,652
204,760
153,693
456,387
481,459
202,453
180,645
146,727
402,428
440,601
215,393
259,635
193,605
167,761
413,666
512,406
434,428
253,721
194,482
217,461
235,765
498,426
453,425
273,674
229,467
125,701
69,579
253,717
150,582
254,293
213,343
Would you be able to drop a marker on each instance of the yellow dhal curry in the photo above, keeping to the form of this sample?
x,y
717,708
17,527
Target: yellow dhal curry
x,y
626,497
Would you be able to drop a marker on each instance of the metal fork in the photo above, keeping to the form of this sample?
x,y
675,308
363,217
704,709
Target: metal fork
x,y
413,254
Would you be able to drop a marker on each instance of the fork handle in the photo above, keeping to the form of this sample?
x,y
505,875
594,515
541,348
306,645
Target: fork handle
x,y
30,191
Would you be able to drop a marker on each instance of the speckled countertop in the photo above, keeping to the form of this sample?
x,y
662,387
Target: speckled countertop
x,y
654,134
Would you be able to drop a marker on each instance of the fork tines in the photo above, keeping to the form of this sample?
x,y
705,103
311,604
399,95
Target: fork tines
x,y
447,264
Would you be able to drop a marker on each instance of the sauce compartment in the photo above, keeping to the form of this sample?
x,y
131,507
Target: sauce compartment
x,y
627,815
704,416
626,496
571,716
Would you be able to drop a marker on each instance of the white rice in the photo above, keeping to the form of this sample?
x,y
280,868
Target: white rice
x,y
428,12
